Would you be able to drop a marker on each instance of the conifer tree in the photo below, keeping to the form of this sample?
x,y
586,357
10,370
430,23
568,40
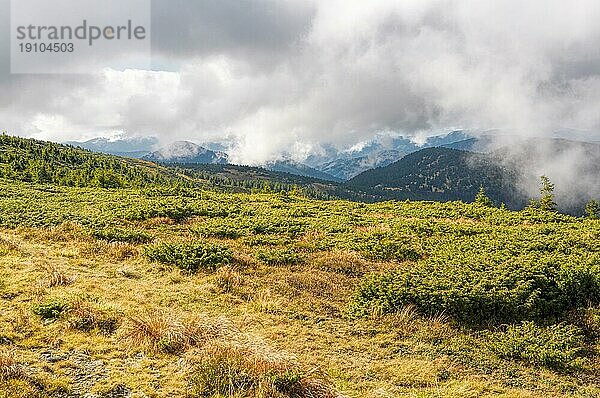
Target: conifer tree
x,y
547,194
482,200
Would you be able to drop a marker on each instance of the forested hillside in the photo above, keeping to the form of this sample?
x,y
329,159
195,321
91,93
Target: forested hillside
x,y
443,174
37,161
46,162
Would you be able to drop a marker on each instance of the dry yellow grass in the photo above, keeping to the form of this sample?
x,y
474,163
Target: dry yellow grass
x,y
253,319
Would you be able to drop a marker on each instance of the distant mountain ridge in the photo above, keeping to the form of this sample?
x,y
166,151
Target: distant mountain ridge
x,y
332,164
134,147
379,152
442,174
187,152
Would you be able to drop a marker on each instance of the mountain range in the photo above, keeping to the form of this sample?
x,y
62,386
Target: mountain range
x,y
331,165
448,167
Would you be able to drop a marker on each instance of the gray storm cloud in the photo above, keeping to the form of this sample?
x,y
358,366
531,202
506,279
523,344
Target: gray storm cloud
x,y
289,76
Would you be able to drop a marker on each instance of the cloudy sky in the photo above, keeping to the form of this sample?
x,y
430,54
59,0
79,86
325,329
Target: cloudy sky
x,y
275,76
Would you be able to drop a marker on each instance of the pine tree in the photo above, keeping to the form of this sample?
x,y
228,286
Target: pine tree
x,y
547,194
482,200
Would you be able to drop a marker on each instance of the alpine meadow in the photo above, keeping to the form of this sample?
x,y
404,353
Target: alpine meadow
x,y
299,199
124,278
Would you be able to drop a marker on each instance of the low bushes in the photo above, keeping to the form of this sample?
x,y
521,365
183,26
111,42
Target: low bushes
x,y
50,309
483,294
558,346
386,247
190,256
220,228
276,256
176,210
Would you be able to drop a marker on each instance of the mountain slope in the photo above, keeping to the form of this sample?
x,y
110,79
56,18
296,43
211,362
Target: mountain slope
x,y
32,160
299,169
346,168
186,152
442,174
380,152
509,175
136,147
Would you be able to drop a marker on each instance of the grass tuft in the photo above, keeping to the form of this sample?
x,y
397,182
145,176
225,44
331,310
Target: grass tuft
x,y
56,276
10,369
250,370
160,331
86,316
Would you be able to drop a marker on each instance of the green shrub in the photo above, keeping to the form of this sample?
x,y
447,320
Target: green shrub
x,y
278,226
190,256
524,289
558,346
176,210
220,228
51,309
386,247
122,235
285,256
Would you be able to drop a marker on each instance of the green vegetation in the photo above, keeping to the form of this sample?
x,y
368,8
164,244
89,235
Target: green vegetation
x,y
50,309
592,209
558,346
190,256
488,288
45,162
122,235
547,194
280,295
482,199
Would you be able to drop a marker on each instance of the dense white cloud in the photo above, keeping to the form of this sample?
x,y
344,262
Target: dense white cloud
x,y
279,76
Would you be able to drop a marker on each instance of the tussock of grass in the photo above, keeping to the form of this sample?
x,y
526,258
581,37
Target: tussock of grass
x,y
63,232
118,251
10,369
161,331
234,370
228,280
79,313
86,316
343,262
7,247
57,276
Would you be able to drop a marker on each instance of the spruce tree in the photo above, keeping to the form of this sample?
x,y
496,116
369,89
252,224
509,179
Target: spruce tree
x,y
547,194
482,200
